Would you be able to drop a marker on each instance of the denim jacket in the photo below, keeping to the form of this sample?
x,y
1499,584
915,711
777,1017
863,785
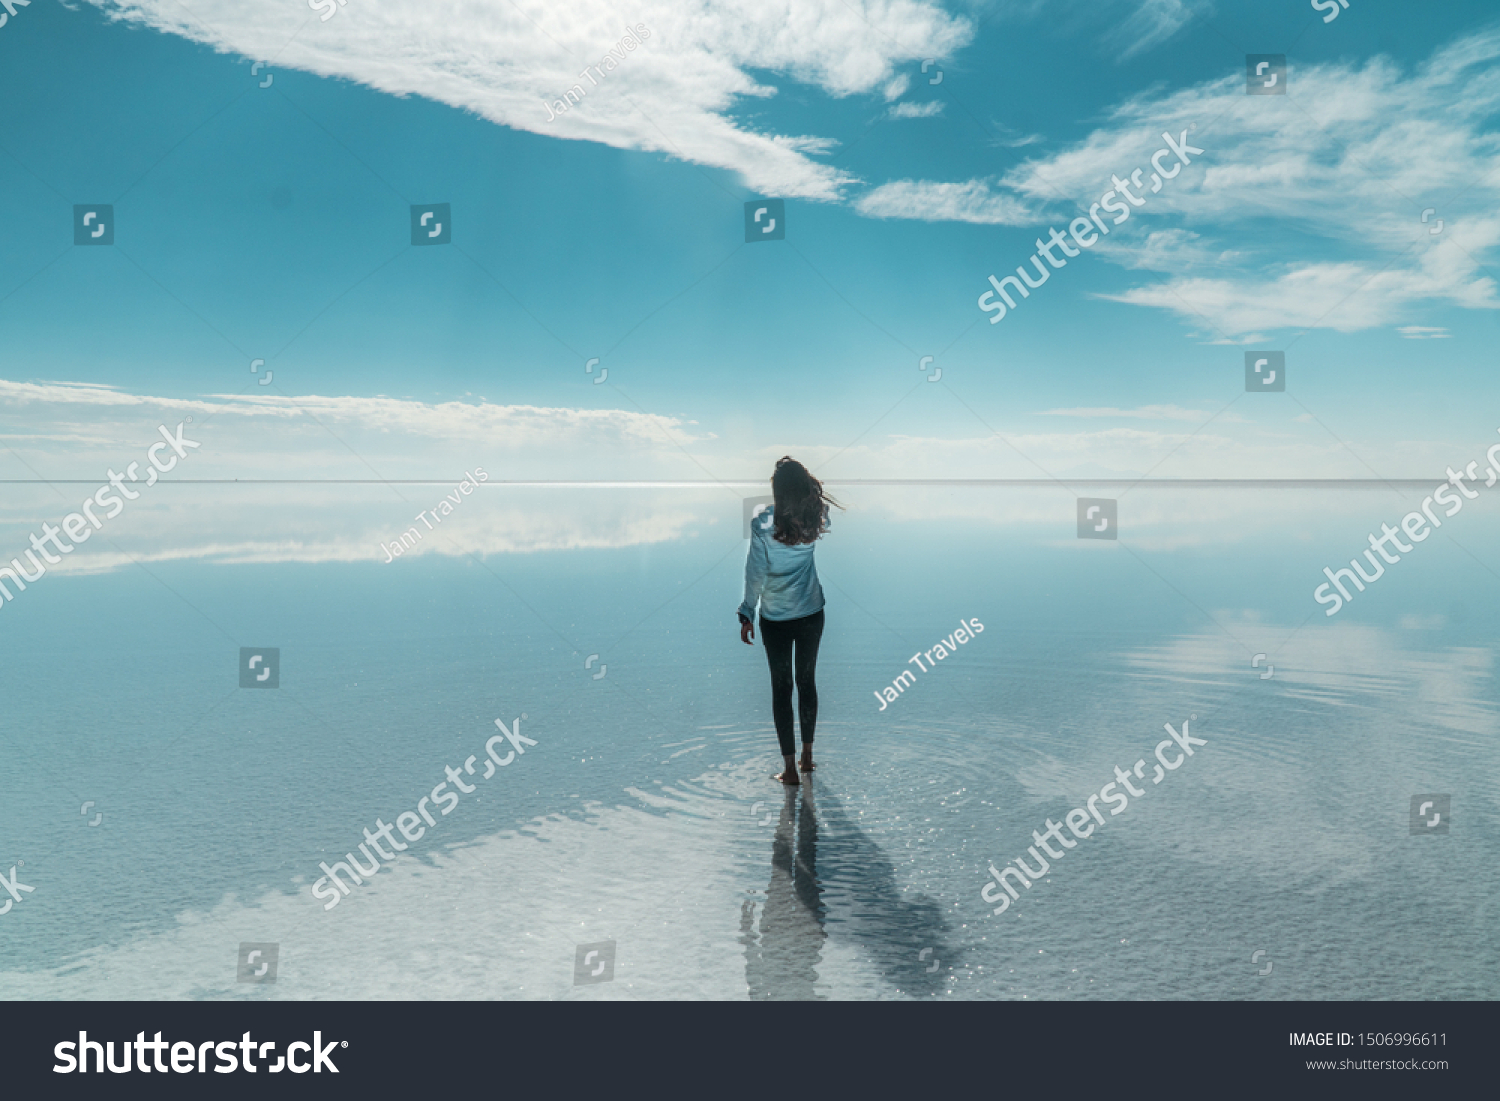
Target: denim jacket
x,y
783,579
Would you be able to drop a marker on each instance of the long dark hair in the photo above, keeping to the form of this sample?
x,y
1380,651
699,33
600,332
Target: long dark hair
x,y
801,512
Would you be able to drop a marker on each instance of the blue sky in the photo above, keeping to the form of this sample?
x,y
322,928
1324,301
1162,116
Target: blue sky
x,y
274,223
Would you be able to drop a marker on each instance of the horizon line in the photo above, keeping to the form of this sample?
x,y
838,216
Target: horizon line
x,y
1175,483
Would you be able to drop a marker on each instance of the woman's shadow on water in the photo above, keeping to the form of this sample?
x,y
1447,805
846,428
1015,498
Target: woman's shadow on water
x,y
903,935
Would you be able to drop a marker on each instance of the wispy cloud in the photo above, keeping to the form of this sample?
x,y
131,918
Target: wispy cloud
x,y
1152,23
1144,412
1344,296
975,201
1171,250
1304,209
674,96
57,430
930,109
68,429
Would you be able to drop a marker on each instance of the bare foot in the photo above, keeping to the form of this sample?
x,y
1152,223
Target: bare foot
x,y
789,778
806,764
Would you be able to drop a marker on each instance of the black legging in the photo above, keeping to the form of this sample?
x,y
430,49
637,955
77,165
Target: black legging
x,y
778,637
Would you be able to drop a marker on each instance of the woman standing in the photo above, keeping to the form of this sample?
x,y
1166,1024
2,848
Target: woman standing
x,y
780,575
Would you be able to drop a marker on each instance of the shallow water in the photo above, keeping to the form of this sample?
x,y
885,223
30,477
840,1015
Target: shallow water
x,y
644,814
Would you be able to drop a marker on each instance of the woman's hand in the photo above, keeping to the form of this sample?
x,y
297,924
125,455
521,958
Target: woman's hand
x,y
747,631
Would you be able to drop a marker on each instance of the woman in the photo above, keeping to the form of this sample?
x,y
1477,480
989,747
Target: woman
x,y
781,576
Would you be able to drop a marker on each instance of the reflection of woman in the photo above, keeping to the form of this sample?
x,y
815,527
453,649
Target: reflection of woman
x,y
781,576
781,964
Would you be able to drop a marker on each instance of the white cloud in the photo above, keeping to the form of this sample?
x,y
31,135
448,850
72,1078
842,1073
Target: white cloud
x,y
1144,412
1222,449
1423,332
974,201
1153,22
506,60
72,430
1132,26
1346,663
524,424
263,524
1422,622
1344,296
930,109
1305,209
1163,250
78,431
59,430
1334,168
64,429
1331,163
